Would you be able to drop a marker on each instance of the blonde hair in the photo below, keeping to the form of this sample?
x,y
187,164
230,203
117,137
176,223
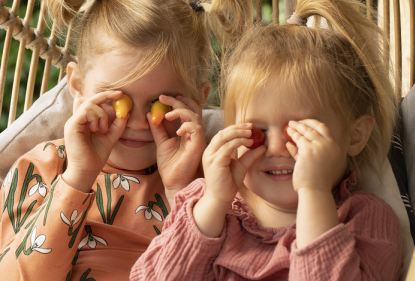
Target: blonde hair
x,y
339,69
164,29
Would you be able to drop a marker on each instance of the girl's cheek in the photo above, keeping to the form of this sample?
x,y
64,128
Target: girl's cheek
x,y
110,112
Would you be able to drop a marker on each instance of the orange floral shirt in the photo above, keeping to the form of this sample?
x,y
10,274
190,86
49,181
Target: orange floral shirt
x,y
51,231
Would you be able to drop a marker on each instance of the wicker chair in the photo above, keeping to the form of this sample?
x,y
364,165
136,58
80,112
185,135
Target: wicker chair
x,y
46,48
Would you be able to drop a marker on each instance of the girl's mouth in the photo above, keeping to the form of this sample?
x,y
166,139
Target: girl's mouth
x,y
134,143
279,174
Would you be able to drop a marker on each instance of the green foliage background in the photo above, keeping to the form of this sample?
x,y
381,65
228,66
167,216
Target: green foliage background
x,y
213,99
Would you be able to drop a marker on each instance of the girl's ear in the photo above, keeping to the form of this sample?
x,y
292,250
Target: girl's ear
x,y
74,80
204,90
360,133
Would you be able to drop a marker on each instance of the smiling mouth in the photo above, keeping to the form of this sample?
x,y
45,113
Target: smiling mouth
x,y
280,172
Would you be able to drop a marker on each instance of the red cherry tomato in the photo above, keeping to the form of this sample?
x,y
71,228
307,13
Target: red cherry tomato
x,y
258,136
287,136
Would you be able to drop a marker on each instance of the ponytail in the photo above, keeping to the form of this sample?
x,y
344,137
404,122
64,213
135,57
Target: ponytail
x,y
348,18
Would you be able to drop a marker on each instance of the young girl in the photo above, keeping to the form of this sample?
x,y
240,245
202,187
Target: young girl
x,y
290,209
86,207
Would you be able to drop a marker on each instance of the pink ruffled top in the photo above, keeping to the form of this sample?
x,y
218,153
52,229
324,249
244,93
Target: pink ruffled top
x,y
365,245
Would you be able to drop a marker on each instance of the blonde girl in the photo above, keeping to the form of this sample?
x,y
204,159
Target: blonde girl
x,y
290,209
87,206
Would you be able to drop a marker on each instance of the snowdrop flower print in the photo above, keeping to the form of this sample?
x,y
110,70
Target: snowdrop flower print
x,y
91,239
74,218
124,181
61,151
149,213
37,242
40,187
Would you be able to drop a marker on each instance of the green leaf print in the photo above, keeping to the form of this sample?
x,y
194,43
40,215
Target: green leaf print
x,y
108,218
85,275
4,253
157,230
74,234
46,145
31,225
9,203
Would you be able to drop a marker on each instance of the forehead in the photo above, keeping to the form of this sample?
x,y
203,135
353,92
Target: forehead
x,y
278,101
110,68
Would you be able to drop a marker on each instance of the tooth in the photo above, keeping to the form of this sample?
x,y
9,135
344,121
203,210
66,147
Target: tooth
x,y
290,171
284,171
278,172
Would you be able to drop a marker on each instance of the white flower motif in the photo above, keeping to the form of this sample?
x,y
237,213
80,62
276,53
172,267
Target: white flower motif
x,y
124,181
91,240
74,218
8,178
40,187
149,213
61,152
37,242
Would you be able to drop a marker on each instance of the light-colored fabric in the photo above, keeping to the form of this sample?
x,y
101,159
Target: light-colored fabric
x,y
360,247
387,189
44,121
51,231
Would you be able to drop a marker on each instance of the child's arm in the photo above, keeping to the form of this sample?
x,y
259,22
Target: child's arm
x,y
36,242
365,245
224,176
179,157
316,154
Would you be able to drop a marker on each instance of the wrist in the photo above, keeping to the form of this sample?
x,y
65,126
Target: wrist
x,y
78,180
209,215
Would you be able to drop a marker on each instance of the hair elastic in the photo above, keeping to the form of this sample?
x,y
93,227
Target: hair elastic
x,y
196,7
297,20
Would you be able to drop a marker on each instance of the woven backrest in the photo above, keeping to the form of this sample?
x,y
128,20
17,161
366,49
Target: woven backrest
x,y
32,37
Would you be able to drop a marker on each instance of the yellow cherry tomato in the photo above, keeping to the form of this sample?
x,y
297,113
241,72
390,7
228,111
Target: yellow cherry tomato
x,y
122,106
158,110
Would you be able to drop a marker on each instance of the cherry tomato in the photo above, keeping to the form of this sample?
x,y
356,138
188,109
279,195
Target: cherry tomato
x,y
258,136
158,110
122,106
287,136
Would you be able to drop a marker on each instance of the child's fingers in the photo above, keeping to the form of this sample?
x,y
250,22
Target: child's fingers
x,y
159,132
318,126
96,116
292,149
185,115
306,131
229,133
190,104
192,129
116,129
229,147
77,103
103,97
247,159
181,102
298,138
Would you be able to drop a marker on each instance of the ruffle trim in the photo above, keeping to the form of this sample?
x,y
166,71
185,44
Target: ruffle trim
x,y
270,235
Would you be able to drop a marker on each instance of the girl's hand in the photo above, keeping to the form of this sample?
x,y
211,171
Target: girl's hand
x,y
316,154
225,174
88,139
178,158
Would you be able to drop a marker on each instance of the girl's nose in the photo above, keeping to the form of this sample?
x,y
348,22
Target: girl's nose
x,y
275,142
138,120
